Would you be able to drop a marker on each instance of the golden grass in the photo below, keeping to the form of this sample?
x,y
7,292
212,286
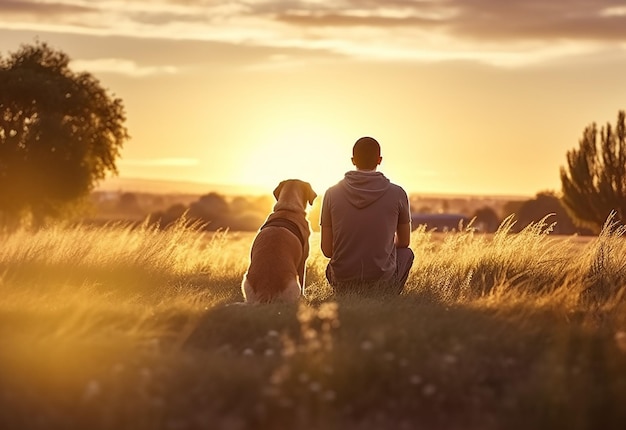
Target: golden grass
x,y
120,326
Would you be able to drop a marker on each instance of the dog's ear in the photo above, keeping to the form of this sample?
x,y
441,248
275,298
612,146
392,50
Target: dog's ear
x,y
278,189
309,193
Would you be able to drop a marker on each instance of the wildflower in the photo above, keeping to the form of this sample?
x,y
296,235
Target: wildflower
x,y
224,348
389,356
303,377
271,391
330,396
328,311
92,390
145,373
269,352
367,345
620,340
315,387
449,359
272,333
248,352
429,390
415,379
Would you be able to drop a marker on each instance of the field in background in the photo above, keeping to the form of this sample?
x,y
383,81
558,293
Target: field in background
x,y
120,327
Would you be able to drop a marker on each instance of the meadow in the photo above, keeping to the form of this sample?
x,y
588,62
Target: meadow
x,y
131,327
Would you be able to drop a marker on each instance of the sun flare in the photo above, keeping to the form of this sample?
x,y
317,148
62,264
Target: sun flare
x,y
302,150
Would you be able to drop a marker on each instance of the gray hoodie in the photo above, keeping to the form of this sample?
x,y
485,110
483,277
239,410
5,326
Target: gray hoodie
x,y
364,188
363,211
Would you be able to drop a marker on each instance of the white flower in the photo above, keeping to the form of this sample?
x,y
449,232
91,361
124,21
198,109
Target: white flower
x,y
315,387
449,359
92,390
429,390
415,379
620,340
330,395
367,345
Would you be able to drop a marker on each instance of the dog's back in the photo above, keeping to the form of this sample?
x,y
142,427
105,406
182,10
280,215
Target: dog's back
x,y
280,249
273,269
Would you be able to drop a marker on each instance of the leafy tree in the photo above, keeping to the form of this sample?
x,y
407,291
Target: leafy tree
x,y
594,180
60,133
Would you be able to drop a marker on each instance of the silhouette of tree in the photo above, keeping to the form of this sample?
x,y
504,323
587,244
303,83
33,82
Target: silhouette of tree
x,y
211,208
511,207
169,216
594,180
129,202
546,203
486,219
60,133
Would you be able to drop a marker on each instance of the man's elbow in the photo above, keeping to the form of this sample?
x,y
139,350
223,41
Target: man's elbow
x,y
328,252
403,243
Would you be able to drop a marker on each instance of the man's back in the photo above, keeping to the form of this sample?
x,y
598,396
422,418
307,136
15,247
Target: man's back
x,y
363,212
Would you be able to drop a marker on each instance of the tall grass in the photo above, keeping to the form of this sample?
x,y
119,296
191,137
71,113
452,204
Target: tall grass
x,y
132,327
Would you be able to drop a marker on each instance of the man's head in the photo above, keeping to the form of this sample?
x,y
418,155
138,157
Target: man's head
x,y
366,154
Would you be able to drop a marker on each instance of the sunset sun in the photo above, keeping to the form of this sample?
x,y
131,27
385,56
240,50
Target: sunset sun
x,y
300,150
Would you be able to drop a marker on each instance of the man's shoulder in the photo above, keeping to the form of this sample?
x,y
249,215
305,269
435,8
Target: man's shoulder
x,y
397,188
334,188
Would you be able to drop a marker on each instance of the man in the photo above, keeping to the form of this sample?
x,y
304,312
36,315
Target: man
x,y
366,227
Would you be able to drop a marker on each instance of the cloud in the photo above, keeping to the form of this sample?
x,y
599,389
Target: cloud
x,y
510,32
121,66
39,9
160,162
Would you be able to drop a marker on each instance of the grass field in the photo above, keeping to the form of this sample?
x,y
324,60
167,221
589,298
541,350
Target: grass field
x,y
133,328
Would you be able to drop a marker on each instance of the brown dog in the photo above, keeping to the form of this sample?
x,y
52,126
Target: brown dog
x,y
281,247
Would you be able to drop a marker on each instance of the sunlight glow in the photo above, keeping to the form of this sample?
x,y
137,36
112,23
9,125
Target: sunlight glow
x,y
614,11
160,162
305,151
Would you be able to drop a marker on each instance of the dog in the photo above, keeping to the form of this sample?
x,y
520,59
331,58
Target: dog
x,y
281,247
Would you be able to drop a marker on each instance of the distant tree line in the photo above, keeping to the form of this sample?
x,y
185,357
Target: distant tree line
x,y
215,212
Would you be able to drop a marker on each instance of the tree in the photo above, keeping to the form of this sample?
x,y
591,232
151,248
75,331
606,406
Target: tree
x,y
546,203
60,133
594,180
486,219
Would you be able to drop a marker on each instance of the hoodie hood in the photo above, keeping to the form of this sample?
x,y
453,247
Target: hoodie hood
x,y
364,188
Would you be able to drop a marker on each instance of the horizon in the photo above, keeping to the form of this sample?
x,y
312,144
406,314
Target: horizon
x,y
167,186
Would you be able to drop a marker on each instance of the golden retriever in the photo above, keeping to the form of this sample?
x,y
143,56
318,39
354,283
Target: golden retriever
x,y
281,247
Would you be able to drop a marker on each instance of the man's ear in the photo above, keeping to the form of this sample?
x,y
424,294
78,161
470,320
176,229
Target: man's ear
x,y
278,189
309,193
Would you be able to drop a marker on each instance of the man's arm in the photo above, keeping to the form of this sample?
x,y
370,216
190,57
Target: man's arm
x,y
403,235
326,240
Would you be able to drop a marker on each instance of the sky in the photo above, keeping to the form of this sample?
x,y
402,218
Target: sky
x,y
479,97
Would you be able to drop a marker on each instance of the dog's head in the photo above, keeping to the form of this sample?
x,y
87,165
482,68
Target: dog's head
x,y
295,189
